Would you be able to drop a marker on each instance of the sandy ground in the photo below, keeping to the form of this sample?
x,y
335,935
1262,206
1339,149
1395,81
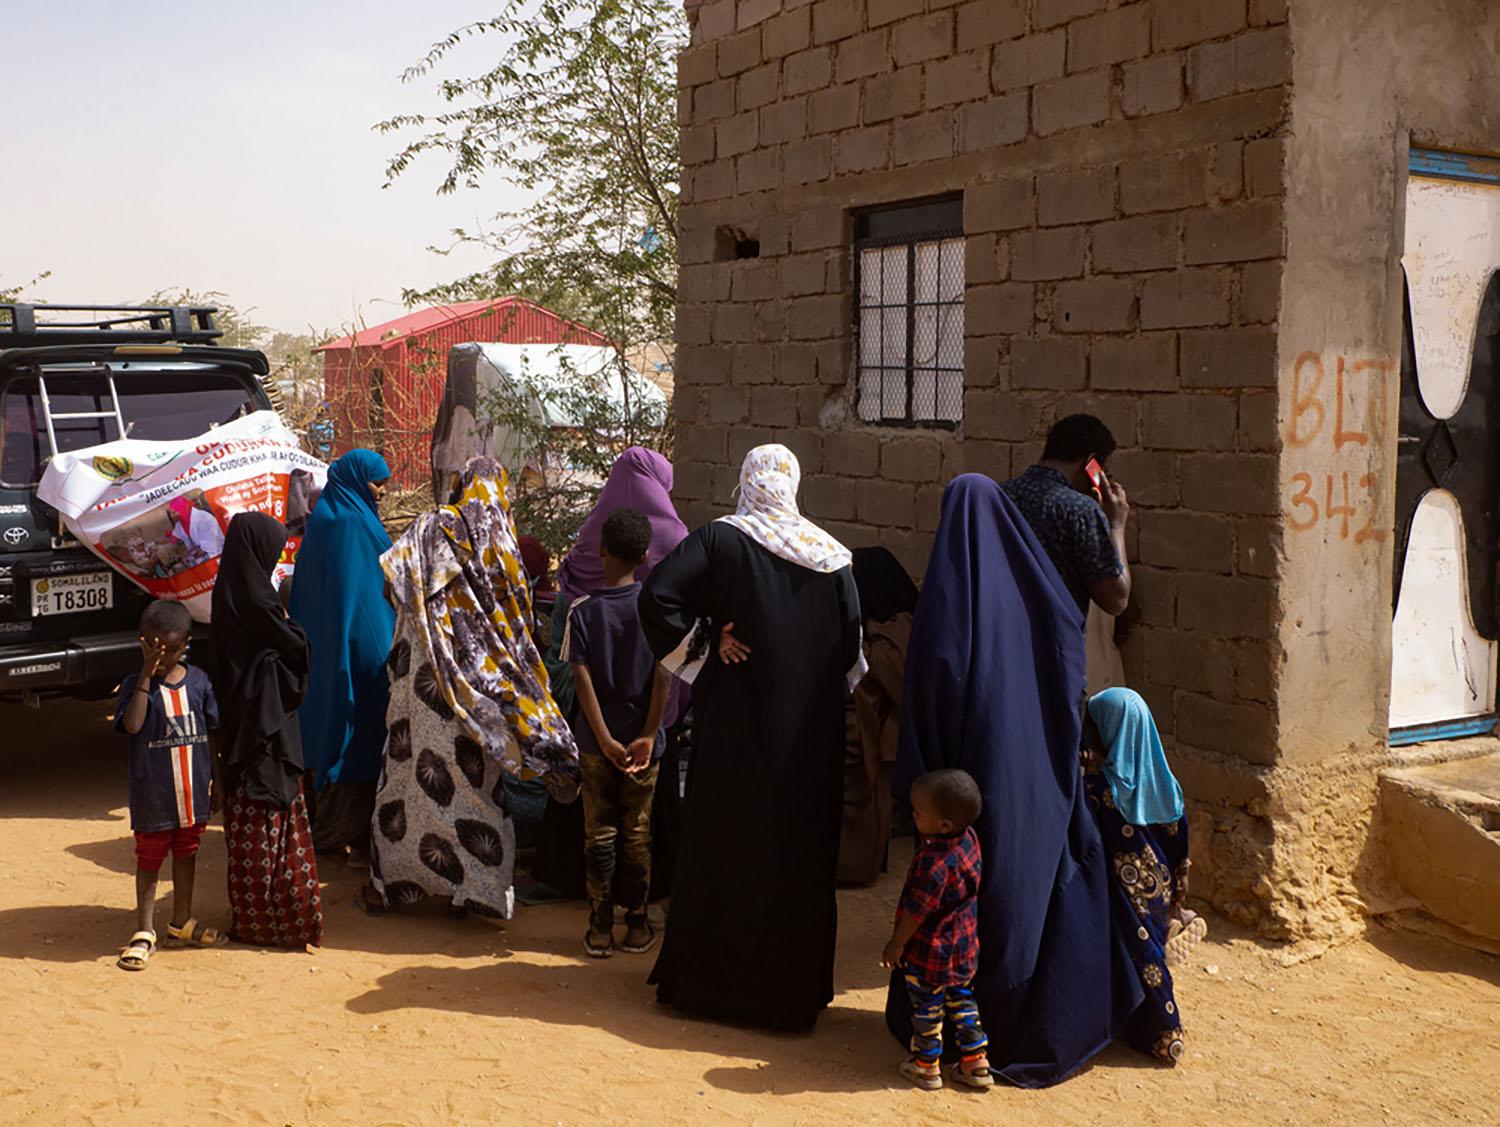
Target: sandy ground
x,y
425,1019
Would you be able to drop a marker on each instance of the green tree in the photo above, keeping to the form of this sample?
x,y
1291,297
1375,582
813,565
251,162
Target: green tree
x,y
238,329
295,383
16,293
580,112
298,372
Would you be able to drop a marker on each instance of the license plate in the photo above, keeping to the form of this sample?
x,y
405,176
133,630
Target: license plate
x,y
70,594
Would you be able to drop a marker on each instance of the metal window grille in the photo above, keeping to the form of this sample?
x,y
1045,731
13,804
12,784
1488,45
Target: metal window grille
x,y
909,314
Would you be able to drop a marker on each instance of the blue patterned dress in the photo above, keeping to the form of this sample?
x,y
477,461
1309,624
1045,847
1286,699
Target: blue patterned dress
x,y
1146,866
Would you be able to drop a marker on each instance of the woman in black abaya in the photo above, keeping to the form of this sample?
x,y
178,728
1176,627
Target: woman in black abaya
x,y
262,677
888,599
753,919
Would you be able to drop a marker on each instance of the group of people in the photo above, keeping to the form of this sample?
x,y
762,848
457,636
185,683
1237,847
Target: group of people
x,y
394,708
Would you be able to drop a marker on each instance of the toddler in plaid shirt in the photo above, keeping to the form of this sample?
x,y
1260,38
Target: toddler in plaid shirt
x,y
936,937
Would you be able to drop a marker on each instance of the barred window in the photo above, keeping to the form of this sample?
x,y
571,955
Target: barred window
x,y
909,313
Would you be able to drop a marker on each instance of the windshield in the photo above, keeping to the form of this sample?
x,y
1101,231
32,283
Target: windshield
x,y
161,405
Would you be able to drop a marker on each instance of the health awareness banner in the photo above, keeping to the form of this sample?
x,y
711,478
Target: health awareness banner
x,y
157,511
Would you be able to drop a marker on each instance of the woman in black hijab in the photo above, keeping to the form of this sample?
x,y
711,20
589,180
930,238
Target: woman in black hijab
x,y
262,675
887,600
886,589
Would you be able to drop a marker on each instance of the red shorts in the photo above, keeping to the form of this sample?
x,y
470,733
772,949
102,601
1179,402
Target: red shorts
x,y
151,849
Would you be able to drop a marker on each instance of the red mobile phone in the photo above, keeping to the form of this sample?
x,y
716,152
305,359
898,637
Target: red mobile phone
x,y
1096,474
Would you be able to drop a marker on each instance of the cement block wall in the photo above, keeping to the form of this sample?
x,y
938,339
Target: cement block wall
x,y
1369,82
1122,171
1134,179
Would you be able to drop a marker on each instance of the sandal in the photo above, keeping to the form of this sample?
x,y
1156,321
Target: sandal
x,y
138,951
594,950
925,1076
641,948
972,1074
1185,939
368,901
194,934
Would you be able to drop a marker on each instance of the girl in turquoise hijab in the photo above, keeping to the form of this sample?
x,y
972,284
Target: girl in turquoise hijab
x,y
338,595
1137,805
1144,789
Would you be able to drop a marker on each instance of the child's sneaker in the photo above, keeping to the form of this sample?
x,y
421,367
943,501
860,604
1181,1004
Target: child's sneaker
x,y
924,1074
973,1072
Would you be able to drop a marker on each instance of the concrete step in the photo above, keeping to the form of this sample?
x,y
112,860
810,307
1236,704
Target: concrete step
x,y
1442,828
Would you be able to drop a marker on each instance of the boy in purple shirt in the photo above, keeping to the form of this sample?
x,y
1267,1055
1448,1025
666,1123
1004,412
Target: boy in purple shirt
x,y
622,696
936,937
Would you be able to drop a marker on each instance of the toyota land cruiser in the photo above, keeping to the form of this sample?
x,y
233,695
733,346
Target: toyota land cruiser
x,y
73,376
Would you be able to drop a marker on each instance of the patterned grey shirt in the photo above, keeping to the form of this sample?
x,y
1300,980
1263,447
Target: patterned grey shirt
x,y
1071,527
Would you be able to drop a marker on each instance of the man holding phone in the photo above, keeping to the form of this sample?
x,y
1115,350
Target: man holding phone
x,y
1078,513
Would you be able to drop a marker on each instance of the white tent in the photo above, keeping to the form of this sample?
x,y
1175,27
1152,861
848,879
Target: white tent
x,y
548,378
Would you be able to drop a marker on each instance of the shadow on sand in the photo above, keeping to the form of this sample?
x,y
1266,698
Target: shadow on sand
x,y
851,1050
1433,952
63,760
117,854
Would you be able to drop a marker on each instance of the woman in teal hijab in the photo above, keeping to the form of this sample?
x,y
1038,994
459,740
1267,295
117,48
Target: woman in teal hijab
x,y
1137,804
338,595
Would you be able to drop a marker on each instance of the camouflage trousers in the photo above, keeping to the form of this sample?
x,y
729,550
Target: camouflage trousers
x,y
616,839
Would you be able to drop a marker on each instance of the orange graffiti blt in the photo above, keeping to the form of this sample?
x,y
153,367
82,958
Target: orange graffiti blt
x,y
1306,402
1340,502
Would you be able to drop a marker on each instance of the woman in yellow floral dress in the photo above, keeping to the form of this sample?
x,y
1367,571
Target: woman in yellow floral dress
x,y
469,701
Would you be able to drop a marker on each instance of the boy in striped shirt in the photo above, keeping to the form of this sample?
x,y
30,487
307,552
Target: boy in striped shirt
x,y
167,710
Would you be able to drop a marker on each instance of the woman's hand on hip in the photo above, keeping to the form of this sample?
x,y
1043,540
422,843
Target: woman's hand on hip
x,y
732,651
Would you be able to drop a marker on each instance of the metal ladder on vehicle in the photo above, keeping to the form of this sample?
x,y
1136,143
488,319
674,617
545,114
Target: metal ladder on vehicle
x,y
48,415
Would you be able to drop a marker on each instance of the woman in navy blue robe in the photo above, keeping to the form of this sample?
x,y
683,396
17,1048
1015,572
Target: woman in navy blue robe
x,y
995,686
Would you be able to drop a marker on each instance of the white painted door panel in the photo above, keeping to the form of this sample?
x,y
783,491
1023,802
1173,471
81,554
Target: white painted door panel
x,y
1441,669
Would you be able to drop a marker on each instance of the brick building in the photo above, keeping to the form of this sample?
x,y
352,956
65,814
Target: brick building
x,y
915,232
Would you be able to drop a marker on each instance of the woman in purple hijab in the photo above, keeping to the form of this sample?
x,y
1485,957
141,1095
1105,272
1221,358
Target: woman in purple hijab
x,y
639,479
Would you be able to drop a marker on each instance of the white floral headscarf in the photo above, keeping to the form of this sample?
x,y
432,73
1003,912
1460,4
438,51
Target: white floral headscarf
x,y
768,515
768,512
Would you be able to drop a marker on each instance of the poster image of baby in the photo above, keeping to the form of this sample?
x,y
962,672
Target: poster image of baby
x,y
170,539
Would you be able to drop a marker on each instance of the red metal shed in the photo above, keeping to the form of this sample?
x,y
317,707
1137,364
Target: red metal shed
x,y
384,382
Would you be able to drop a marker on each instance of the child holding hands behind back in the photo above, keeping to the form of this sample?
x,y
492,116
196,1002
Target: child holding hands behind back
x,y
936,937
167,710
622,695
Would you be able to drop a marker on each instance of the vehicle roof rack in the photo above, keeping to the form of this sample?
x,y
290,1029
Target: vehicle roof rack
x,y
24,325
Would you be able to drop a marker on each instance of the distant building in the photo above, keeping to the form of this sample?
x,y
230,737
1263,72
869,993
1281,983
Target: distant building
x,y
1243,232
384,382
653,362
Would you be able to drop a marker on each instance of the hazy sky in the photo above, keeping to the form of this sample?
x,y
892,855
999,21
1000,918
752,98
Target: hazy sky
x,y
226,146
